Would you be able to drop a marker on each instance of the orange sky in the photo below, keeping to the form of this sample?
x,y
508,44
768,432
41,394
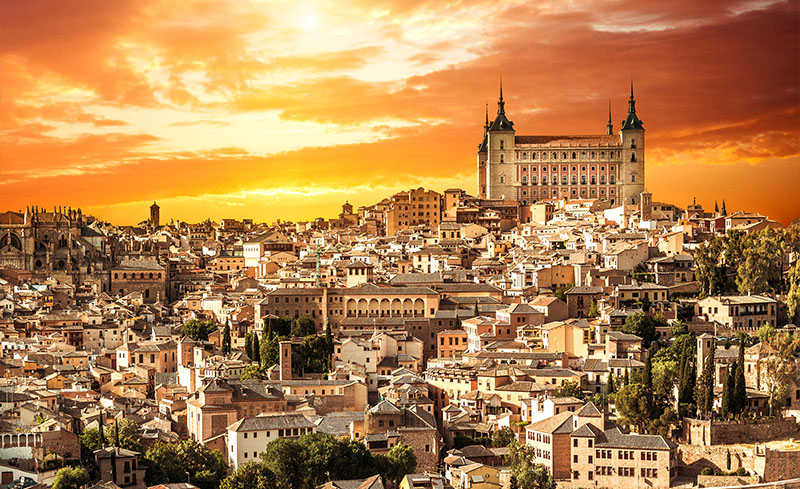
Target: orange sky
x,y
287,109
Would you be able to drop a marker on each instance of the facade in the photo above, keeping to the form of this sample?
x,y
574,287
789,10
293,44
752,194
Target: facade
x,y
739,312
248,437
609,167
144,276
413,208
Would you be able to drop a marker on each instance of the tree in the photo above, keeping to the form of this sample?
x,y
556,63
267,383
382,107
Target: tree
x,y
739,388
476,312
760,269
402,461
777,367
252,475
594,311
253,371
633,406
704,392
766,332
707,269
71,478
503,437
570,389
226,340
124,433
303,326
643,326
248,345
526,473
727,392
610,385
793,298
647,375
256,350
171,462
198,330
561,291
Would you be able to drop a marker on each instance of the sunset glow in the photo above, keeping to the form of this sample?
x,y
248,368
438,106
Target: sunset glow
x,y
287,109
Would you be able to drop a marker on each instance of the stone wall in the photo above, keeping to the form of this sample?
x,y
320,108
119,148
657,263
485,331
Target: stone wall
x,y
692,459
706,432
776,465
724,480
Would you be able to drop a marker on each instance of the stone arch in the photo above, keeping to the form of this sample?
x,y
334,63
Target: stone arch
x,y
363,307
408,307
397,307
419,307
374,307
386,308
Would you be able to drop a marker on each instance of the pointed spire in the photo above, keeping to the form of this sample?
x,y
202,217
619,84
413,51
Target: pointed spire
x,y
610,125
716,207
501,105
486,124
724,210
632,101
632,121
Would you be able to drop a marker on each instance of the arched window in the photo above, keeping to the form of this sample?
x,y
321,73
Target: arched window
x,y
592,155
574,155
633,156
62,241
502,159
524,156
563,156
633,177
533,156
555,156
502,179
583,155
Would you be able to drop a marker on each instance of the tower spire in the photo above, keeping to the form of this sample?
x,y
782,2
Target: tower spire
x,y
610,125
486,123
501,105
632,101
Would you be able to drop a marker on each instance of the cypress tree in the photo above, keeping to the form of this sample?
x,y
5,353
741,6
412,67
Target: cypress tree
x,y
648,371
248,345
610,386
739,389
226,339
626,378
726,398
256,350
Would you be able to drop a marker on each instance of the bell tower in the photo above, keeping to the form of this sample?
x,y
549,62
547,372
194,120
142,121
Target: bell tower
x,y
632,166
155,215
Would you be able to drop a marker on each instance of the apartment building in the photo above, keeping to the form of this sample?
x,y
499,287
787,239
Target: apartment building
x,y
249,436
738,312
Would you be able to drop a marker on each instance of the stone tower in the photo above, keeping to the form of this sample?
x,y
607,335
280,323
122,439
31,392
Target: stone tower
x,y
646,206
286,360
501,165
632,166
155,215
704,346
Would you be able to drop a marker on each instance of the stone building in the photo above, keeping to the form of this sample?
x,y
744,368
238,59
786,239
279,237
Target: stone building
x,y
413,208
144,276
609,167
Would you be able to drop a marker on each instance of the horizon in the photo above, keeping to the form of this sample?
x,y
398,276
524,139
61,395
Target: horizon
x,y
108,107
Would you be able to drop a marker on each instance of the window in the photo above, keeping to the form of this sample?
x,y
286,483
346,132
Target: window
x,y
502,145
502,178
575,444
502,158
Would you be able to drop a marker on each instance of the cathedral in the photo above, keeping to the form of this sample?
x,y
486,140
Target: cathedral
x,y
56,243
607,167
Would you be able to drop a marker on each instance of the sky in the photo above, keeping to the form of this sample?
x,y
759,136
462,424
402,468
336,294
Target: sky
x,y
285,110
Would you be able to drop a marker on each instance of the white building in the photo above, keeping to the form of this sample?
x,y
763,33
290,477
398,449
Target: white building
x,y
248,437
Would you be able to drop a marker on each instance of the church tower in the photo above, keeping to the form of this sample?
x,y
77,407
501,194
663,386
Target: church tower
x,y
155,216
632,166
500,162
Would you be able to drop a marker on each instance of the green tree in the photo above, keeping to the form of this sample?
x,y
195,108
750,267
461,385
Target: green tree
x,y
226,340
633,406
793,298
251,475
707,272
705,388
71,478
610,385
198,330
123,433
303,326
570,389
561,291
171,462
476,312
594,311
253,371
527,473
766,332
256,350
643,326
739,389
777,367
727,390
248,345
760,269
503,437
402,461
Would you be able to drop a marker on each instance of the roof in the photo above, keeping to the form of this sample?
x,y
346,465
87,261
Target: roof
x,y
272,422
615,438
560,423
139,265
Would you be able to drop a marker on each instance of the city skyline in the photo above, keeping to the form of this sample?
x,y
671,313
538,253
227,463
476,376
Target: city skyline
x,y
109,107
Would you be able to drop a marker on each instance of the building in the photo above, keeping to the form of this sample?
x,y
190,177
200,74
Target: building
x,y
738,312
248,437
155,216
121,467
144,276
527,169
417,207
